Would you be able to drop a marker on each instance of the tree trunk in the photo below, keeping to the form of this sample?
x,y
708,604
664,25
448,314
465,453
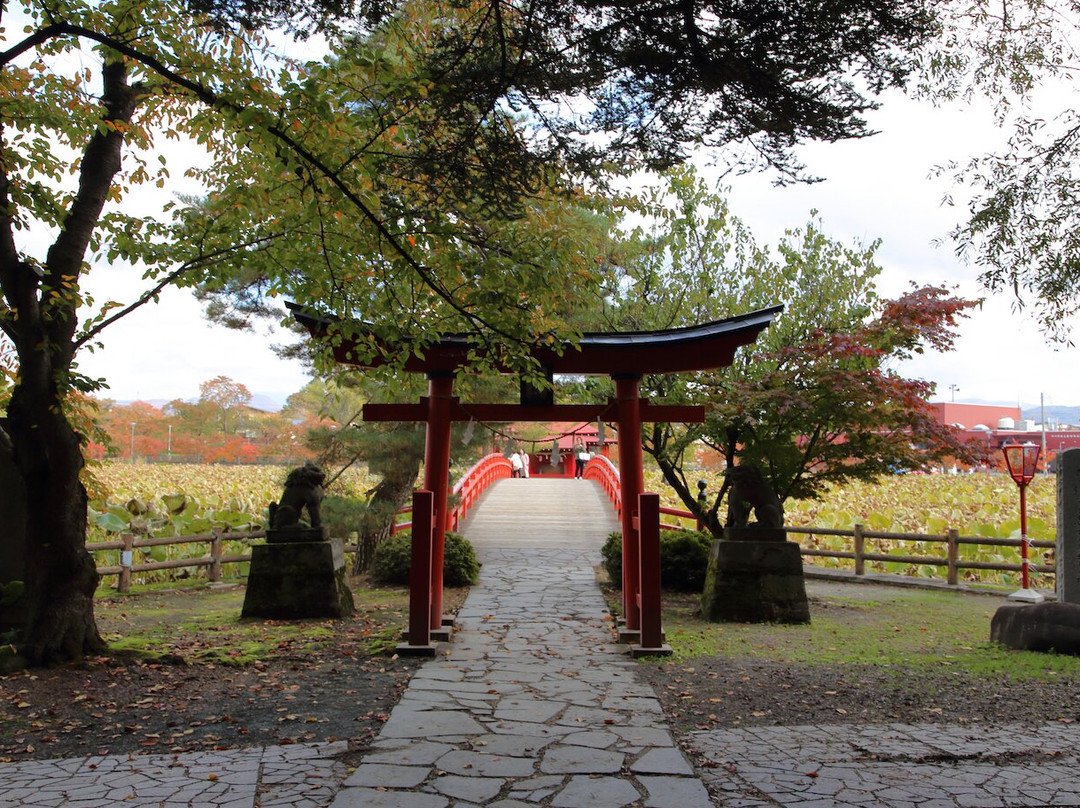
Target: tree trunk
x,y
40,451
387,498
12,537
659,441
57,617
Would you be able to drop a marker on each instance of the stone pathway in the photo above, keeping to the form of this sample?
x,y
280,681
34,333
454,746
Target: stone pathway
x,y
534,705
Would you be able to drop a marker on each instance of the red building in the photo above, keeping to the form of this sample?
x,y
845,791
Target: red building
x,y
996,425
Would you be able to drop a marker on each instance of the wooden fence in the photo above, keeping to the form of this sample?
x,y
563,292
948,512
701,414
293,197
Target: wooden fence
x,y
951,542
862,552
468,490
495,467
214,559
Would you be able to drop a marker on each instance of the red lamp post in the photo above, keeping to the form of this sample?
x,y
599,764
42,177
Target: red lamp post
x,y
1022,461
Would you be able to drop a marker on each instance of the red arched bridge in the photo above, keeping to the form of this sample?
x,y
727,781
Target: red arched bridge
x,y
468,490
600,473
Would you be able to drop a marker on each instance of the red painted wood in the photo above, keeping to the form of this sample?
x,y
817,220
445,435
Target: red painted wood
x,y
437,479
420,571
652,635
631,477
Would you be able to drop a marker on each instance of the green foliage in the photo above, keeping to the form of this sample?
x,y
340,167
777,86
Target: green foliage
x,y
10,592
684,557
460,567
1022,226
343,515
975,505
393,559
230,498
612,555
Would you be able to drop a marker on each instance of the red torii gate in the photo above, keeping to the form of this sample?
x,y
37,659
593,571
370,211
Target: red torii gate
x,y
625,357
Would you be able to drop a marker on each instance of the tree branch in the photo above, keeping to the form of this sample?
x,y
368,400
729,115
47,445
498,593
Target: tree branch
x,y
168,280
216,101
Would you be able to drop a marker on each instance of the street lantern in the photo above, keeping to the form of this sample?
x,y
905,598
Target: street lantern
x,y
1022,461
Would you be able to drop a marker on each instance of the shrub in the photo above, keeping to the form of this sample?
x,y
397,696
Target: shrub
x,y
393,558
684,557
460,567
612,553
391,561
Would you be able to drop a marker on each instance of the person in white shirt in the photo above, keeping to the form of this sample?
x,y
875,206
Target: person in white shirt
x,y
515,464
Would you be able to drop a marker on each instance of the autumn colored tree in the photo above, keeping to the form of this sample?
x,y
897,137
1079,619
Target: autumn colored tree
x,y
227,398
830,409
138,421
814,401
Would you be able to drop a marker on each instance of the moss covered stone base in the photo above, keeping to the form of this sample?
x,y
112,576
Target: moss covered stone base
x,y
298,579
1038,627
755,582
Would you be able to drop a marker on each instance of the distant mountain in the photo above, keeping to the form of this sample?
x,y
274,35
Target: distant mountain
x,y
264,402
268,402
1055,414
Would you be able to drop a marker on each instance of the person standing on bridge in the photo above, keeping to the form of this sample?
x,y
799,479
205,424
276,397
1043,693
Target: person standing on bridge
x,y
515,464
524,464
581,457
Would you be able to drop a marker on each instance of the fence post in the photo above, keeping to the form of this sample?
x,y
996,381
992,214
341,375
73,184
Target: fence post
x,y
954,554
215,554
860,549
123,585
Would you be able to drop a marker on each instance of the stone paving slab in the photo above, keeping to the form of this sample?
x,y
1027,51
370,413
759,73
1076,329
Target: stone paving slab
x,y
894,766
298,776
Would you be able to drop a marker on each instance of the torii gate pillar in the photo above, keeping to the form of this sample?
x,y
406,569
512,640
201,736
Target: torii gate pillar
x,y
437,481
631,484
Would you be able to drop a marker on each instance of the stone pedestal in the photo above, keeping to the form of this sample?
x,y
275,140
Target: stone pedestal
x,y
1067,552
292,579
755,582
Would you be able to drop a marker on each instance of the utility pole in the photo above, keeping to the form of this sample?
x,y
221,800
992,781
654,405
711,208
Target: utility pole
x,y
1042,419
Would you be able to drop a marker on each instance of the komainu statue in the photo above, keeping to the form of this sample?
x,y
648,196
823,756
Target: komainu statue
x,y
303,489
749,490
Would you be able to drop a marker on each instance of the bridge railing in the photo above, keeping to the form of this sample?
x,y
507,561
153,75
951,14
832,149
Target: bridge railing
x,y
605,472
474,482
467,491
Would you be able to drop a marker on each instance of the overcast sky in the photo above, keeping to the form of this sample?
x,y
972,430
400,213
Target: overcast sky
x,y
879,187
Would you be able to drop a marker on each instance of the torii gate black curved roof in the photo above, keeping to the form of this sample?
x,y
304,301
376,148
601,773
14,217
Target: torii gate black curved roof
x,y
671,350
